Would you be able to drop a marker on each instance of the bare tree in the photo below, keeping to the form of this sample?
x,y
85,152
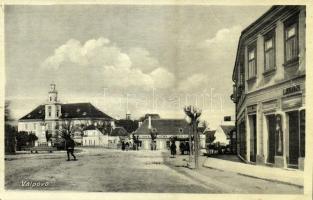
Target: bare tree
x,y
194,113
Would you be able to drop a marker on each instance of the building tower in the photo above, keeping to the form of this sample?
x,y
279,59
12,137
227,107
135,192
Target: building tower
x,y
52,110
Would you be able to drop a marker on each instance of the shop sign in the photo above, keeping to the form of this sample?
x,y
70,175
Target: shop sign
x,y
251,109
291,90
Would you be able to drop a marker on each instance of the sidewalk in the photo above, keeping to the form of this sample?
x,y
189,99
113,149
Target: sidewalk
x,y
289,176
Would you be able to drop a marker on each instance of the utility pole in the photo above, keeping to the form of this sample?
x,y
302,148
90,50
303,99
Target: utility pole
x,y
194,113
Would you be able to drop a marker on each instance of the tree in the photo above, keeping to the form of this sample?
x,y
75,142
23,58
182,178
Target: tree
x,y
32,138
48,136
210,137
63,130
205,125
194,113
10,131
22,139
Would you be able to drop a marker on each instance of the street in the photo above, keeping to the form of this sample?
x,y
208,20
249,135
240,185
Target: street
x,y
103,170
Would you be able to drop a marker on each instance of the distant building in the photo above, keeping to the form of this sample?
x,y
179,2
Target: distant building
x,y
128,124
269,88
165,129
223,134
94,137
50,117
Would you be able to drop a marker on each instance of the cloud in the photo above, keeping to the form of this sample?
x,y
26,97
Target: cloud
x,y
106,62
214,58
195,81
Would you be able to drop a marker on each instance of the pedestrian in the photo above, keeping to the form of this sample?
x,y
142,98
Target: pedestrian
x,y
123,146
187,148
127,146
70,144
182,147
173,149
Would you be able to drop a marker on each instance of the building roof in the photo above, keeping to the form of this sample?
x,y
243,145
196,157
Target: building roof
x,y
119,131
129,125
69,111
164,127
38,113
90,127
227,129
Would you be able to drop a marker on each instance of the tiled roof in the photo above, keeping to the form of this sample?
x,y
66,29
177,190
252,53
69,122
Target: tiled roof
x,y
119,131
164,127
38,113
129,125
69,111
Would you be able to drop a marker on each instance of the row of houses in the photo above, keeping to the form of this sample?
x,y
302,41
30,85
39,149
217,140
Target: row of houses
x,y
269,89
92,127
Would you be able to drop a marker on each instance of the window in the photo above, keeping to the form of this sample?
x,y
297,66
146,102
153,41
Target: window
x,y
49,125
34,126
26,126
58,112
252,62
269,51
49,111
291,40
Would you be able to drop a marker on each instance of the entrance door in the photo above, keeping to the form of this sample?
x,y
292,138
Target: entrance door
x,y
253,138
271,124
294,148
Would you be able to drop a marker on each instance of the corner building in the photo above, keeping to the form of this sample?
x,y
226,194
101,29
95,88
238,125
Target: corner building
x,y
269,89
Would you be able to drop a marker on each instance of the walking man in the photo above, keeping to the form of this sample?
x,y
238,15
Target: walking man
x,y
70,144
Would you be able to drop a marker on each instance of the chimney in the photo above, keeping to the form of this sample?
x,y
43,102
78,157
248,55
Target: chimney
x,y
149,124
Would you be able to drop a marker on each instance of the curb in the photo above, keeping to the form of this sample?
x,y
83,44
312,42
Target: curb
x,y
295,178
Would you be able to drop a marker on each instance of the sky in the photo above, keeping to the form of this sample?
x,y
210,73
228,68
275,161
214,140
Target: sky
x,y
133,59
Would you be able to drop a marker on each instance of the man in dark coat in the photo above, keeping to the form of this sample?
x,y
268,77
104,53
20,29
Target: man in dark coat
x,y
70,144
173,149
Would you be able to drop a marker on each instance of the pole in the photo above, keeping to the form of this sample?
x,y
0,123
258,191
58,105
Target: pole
x,y
195,139
189,146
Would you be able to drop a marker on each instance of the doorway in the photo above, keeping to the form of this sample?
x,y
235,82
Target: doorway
x,y
271,127
253,137
294,147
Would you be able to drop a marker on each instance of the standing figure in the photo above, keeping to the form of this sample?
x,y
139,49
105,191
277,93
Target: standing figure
x,y
182,147
127,146
70,144
123,145
173,149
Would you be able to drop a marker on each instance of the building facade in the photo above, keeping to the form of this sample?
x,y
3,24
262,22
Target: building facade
x,y
53,115
165,129
269,89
